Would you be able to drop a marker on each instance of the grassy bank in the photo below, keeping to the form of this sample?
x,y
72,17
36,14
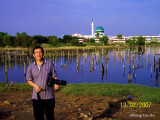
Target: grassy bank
x,y
21,87
66,47
141,93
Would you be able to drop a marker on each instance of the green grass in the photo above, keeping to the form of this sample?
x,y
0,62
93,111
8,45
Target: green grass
x,y
46,45
141,93
21,87
154,44
63,46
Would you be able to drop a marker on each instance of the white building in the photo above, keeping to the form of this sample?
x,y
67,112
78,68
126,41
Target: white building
x,y
149,38
115,39
99,32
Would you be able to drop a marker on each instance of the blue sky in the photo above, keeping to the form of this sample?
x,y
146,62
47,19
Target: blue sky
x,y
60,17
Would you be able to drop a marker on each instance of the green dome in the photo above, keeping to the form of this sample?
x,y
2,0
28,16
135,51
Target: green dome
x,y
99,29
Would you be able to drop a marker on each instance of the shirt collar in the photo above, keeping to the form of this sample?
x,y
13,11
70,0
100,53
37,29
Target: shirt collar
x,y
44,61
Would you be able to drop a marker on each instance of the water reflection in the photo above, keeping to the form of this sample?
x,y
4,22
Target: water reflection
x,y
125,66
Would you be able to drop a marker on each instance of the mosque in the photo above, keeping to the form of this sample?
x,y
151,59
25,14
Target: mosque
x,y
99,32
96,34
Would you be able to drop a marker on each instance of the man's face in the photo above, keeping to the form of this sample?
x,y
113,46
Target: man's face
x,y
38,54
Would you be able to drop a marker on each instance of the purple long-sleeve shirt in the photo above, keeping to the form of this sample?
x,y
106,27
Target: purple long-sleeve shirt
x,y
39,75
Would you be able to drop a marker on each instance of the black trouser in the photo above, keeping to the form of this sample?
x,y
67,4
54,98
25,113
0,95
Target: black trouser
x,y
41,106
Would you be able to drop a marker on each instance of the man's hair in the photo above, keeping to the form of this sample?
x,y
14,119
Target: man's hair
x,y
38,47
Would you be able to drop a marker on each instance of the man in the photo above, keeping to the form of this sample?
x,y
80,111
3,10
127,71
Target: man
x,y
38,73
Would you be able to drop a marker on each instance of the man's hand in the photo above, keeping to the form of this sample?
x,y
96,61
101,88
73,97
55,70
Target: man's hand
x,y
37,88
56,87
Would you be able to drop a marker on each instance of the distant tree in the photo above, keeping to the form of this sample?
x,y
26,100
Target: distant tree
x,y
134,38
17,42
24,33
2,34
33,42
141,40
18,34
97,35
119,36
1,42
74,41
131,42
1,37
104,39
53,40
7,40
22,40
87,40
92,40
26,40
61,40
67,38
40,39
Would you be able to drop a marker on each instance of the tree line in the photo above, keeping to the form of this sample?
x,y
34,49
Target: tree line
x,y
24,40
136,41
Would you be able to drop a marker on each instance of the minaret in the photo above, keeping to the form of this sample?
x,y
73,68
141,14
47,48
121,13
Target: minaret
x,y
92,27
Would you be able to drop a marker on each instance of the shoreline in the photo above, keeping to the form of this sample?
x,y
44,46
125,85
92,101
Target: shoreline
x,y
98,89
68,47
114,46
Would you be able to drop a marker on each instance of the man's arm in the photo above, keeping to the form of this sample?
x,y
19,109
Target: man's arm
x,y
37,88
54,75
29,79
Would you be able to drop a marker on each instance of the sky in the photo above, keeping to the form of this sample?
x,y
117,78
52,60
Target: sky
x,y
61,17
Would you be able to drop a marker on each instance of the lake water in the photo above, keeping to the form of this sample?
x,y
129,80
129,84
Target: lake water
x,y
134,65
